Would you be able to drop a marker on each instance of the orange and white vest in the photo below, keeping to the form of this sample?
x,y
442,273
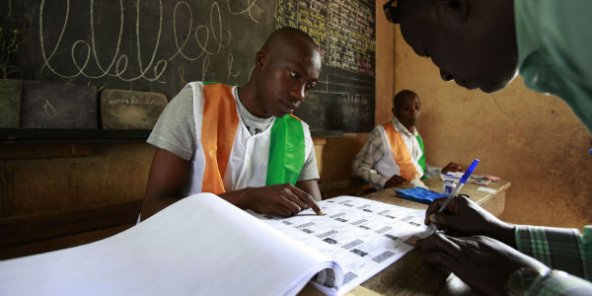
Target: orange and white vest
x,y
398,160
227,156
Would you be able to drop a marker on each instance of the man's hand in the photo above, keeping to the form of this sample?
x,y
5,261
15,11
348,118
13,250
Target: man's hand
x,y
279,200
395,181
453,167
463,217
481,262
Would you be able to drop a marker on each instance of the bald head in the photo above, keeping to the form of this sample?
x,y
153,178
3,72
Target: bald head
x,y
473,42
286,68
287,35
293,43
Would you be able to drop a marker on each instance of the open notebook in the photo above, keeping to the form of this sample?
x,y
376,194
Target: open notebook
x,y
202,245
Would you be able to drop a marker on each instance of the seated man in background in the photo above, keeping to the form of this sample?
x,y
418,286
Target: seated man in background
x,y
242,143
394,154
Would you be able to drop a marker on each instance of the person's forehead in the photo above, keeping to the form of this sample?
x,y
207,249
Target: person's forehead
x,y
416,30
297,50
410,100
301,54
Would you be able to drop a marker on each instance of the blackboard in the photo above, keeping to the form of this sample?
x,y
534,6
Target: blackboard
x,y
160,45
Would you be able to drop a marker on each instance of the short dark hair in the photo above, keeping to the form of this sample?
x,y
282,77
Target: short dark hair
x,y
287,31
402,97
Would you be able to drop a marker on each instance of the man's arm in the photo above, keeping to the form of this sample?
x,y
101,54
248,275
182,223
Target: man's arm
x,y
168,178
166,182
279,200
174,139
508,271
452,167
559,248
557,283
311,187
364,162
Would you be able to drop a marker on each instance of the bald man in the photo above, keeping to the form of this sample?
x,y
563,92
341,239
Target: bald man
x,y
242,143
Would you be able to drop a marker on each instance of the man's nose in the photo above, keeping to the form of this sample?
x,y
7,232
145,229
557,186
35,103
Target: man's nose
x,y
299,92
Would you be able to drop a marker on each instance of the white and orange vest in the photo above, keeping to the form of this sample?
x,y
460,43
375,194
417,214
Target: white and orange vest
x,y
399,161
227,156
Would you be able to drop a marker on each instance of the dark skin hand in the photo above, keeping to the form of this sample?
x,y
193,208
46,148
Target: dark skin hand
x,y
395,181
279,200
481,262
463,217
168,177
453,167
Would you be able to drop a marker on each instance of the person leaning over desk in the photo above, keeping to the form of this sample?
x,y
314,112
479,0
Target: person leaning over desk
x,y
482,44
243,143
394,154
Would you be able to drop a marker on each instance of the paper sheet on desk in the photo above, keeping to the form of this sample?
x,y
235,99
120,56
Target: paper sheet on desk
x,y
200,245
487,190
362,235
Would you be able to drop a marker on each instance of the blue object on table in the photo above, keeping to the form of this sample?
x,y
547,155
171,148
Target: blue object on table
x,y
419,194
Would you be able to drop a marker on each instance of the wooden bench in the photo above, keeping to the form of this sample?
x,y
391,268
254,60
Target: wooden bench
x,y
37,233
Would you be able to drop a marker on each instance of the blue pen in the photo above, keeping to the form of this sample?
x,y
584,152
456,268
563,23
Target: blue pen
x,y
590,151
456,190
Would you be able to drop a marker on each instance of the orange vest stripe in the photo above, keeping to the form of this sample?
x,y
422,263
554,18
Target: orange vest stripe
x,y
400,152
220,122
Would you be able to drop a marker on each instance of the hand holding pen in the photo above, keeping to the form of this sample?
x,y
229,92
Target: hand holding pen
x,y
460,216
456,191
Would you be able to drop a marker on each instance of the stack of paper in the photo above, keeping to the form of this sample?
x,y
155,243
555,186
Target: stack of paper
x,y
202,245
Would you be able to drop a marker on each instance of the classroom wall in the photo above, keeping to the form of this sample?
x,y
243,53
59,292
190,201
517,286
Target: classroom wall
x,y
531,139
70,175
385,66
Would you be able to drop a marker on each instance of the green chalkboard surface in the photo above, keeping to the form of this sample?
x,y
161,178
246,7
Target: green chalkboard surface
x,y
160,45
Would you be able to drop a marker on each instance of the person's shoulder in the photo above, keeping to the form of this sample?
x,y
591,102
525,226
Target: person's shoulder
x,y
297,119
184,97
305,125
212,85
379,129
194,88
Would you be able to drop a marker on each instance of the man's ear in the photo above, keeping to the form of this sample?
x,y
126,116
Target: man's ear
x,y
261,59
456,9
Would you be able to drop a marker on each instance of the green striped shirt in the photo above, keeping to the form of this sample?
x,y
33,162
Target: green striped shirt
x,y
563,250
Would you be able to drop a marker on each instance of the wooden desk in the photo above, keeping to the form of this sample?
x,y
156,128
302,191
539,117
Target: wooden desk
x,y
409,275
491,197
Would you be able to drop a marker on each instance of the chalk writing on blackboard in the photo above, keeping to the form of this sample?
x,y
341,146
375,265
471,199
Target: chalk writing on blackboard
x,y
344,98
49,109
146,59
150,45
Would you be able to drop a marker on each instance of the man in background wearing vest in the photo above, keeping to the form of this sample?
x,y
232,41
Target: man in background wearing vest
x,y
394,154
242,144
